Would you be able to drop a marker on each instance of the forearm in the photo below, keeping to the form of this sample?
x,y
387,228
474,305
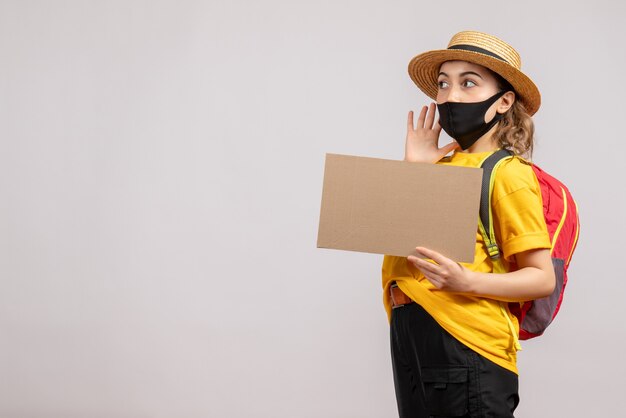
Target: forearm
x,y
533,279
527,283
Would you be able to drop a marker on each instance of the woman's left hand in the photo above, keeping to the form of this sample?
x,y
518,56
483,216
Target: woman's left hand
x,y
443,273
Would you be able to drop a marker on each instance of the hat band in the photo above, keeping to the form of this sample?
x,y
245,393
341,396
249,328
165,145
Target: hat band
x,y
480,50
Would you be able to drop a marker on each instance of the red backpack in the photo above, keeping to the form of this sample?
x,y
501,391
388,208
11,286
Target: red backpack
x,y
561,214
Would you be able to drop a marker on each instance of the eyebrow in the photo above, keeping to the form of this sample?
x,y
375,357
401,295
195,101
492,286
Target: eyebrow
x,y
463,74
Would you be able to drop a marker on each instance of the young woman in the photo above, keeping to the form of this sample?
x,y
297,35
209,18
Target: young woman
x,y
453,339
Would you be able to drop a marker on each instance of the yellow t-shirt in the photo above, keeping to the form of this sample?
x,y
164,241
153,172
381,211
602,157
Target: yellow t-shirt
x,y
478,322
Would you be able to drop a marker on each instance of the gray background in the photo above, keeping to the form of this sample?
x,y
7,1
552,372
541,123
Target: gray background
x,y
160,174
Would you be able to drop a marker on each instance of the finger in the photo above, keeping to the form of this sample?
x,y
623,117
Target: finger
x,y
422,117
449,148
433,255
435,280
430,117
437,127
430,270
417,259
409,122
424,266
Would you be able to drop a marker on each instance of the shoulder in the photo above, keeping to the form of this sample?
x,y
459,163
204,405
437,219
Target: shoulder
x,y
513,175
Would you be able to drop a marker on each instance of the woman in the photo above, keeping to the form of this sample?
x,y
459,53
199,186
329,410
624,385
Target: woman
x,y
453,339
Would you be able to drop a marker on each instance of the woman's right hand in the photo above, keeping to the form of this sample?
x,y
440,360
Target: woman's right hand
x,y
422,143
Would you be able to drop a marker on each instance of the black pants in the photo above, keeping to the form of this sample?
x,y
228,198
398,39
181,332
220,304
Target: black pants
x,y
437,376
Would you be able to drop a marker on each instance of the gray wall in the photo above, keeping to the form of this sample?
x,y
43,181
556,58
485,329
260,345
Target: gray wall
x,y
161,167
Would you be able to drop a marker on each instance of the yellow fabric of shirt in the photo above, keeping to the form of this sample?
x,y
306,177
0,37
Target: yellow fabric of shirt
x,y
478,322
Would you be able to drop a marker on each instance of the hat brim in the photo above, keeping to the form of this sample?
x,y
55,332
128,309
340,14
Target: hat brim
x,y
424,71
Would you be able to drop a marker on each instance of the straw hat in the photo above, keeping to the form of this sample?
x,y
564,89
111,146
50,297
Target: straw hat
x,y
478,48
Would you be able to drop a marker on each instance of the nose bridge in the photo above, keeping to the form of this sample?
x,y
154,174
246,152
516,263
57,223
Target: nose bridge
x,y
454,92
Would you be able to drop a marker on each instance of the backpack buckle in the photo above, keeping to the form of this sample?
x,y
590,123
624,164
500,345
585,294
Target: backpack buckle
x,y
494,251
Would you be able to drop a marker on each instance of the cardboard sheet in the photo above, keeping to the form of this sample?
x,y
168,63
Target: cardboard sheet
x,y
390,207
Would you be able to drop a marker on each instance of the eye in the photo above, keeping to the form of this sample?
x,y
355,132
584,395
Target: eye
x,y
469,83
443,84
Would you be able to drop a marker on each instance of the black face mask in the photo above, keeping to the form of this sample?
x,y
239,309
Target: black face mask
x,y
465,122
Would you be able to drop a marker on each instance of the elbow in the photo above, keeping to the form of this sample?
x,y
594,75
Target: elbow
x,y
548,283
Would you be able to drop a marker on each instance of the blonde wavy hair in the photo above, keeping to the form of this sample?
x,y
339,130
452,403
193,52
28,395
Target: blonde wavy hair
x,y
516,129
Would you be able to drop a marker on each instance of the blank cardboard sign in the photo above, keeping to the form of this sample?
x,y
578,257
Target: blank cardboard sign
x,y
390,207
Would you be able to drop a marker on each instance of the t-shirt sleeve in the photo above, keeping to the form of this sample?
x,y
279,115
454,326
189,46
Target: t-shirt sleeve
x,y
518,210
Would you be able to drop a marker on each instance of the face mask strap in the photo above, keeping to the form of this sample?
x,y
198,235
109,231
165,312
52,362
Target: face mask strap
x,y
493,98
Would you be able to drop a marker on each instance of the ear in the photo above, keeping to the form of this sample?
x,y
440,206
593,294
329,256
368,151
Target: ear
x,y
506,101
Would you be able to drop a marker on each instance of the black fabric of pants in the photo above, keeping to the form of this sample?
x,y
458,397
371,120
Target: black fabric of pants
x,y
437,376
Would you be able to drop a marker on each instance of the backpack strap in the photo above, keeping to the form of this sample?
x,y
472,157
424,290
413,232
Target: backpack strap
x,y
485,221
